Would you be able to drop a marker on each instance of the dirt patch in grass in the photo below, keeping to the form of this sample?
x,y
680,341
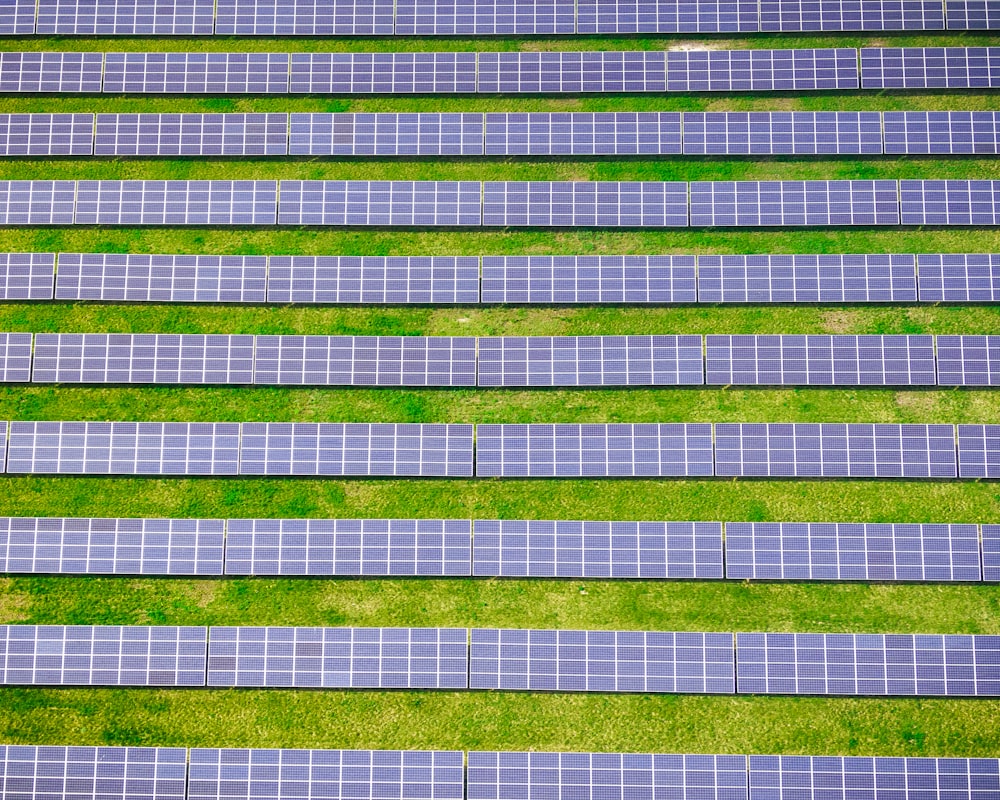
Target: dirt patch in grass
x,y
14,605
840,320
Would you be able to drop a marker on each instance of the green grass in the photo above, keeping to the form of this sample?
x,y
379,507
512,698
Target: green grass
x,y
469,720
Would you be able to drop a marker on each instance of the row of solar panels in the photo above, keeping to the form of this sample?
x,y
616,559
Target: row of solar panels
x,y
503,134
505,659
873,278
174,773
721,360
828,450
505,73
639,204
501,548
485,17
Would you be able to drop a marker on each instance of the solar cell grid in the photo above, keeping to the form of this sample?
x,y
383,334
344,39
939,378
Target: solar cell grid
x,y
942,132
761,70
129,773
37,202
126,17
949,202
27,276
365,360
589,279
601,661
851,552
620,133
191,135
930,67
188,358
102,655
968,360
196,73
348,658
559,72
19,18
782,132
111,546
991,552
348,547
46,134
570,549
304,18
979,451
386,134
15,357
373,279
683,16
959,277
383,73
43,72
484,17
590,361
851,15
972,15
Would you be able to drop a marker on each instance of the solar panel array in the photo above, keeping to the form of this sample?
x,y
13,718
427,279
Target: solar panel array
x,y
385,134
46,134
15,357
297,18
382,73
27,276
959,278
949,202
46,72
930,67
968,360
191,135
972,15
991,552
195,73
782,132
37,202
354,658
852,552
102,655
484,17
942,132
851,15
609,133
126,18
868,664
979,451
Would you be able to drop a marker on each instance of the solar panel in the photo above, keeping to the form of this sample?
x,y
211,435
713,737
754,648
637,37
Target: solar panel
x,y
483,17
979,451
349,547
782,132
972,15
111,546
102,655
217,774
126,17
761,70
942,132
176,202
557,72
3,450
380,449
562,776
191,135
124,448
876,278
949,202
569,549
37,202
129,773
46,134
590,361
601,661
589,279
811,551
815,777
605,204
304,18
968,360
617,450
834,450
681,16
196,73
38,72
177,358
342,658
991,552
27,276
383,73
365,360
851,15
776,360
574,134
930,67
421,203
959,277
867,664
19,18
785,203
15,357
386,134
373,279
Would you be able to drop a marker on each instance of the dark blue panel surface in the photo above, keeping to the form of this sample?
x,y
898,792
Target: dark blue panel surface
x,y
27,276
930,68
386,134
949,202
959,277
304,18
46,134
782,133
196,73
383,73
578,133
44,72
126,17
979,451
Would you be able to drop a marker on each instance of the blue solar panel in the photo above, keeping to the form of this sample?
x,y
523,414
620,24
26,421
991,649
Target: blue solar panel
x,y
3,450
37,202
102,655
835,450
589,279
867,664
972,14
683,16
792,203
361,203
191,135
959,277
111,546
930,68
949,202
590,361
373,279
484,17
358,449
557,72
344,658
822,551
164,279
585,204
568,549
968,360
617,450
807,279
27,276
383,73
304,18
38,72
782,132
126,17
46,134
991,553
942,132
601,661
18,19
195,73
15,357
761,70
578,133
365,360
795,360
851,15
386,134
979,451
